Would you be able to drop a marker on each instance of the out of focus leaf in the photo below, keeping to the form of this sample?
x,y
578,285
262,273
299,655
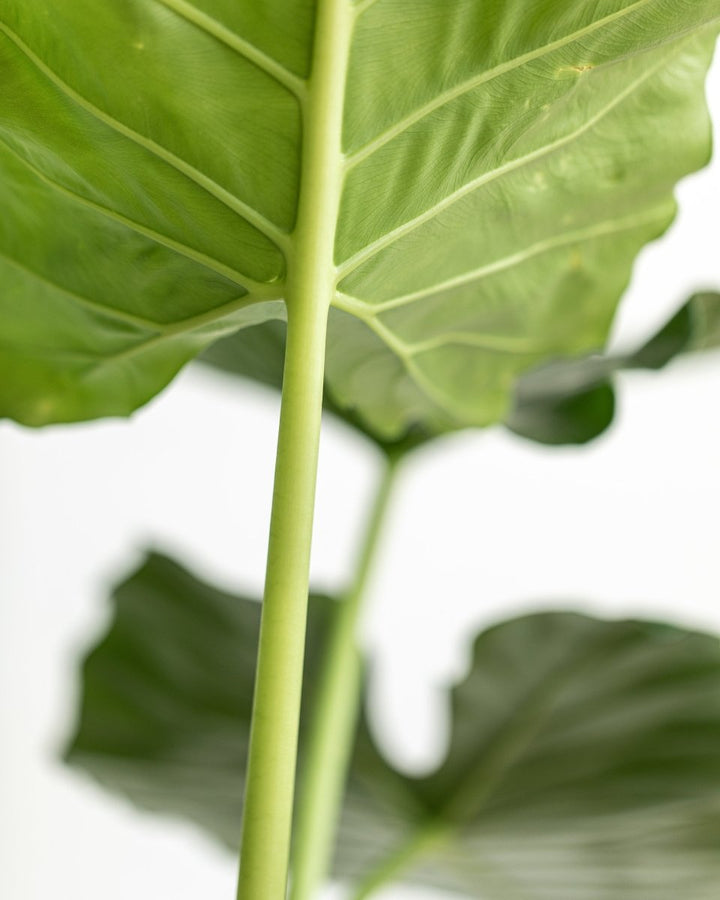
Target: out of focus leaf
x,y
584,764
167,694
584,758
573,401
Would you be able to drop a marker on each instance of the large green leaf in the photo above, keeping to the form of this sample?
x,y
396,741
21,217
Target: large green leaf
x,y
504,164
584,759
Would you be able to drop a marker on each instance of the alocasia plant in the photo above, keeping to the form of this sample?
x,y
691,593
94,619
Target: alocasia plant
x,y
438,197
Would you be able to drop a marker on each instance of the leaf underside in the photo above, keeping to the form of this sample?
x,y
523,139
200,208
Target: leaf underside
x,y
584,758
504,165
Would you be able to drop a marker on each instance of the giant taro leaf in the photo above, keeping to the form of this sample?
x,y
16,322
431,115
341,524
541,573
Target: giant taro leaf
x,y
503,164
584,758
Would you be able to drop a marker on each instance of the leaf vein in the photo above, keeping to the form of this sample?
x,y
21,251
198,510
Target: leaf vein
x,y
261,290
494,342
391,237
175,329
469,796
289,80
403,352
606,228
93,305
268,228
485,77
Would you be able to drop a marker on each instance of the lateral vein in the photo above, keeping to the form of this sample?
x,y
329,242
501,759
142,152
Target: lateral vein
x,y
487,177
93,305
602,229
494,342
183,327
261,290
289,80
484,77
268,228
404,353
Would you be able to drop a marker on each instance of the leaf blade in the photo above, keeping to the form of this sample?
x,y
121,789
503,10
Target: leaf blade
x,y
577,117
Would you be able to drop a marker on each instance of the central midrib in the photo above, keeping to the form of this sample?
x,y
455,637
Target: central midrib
x,y
272,758
312,274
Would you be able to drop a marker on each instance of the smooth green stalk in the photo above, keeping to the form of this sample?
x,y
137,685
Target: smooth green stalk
x,y
335,720
422,842
267,818
273,742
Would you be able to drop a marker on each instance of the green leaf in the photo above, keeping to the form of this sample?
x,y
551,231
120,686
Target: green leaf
x,y
573,401
560,417
584,758
503,166
167,695
584,762
695,327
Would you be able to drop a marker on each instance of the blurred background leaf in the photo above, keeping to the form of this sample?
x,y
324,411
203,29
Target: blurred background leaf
x,y
584,759
573,401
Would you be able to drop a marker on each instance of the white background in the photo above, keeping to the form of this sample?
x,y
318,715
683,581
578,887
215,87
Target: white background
x,y
483,526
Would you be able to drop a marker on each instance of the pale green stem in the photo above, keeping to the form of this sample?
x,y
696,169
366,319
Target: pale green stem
x,y
311,280
418,845
273,744
334,720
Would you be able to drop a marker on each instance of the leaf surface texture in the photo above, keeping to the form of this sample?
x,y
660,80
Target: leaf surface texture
x,y
504,163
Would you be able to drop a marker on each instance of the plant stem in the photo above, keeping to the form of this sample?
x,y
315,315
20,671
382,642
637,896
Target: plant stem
x,y
273,741
311,279
335,719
